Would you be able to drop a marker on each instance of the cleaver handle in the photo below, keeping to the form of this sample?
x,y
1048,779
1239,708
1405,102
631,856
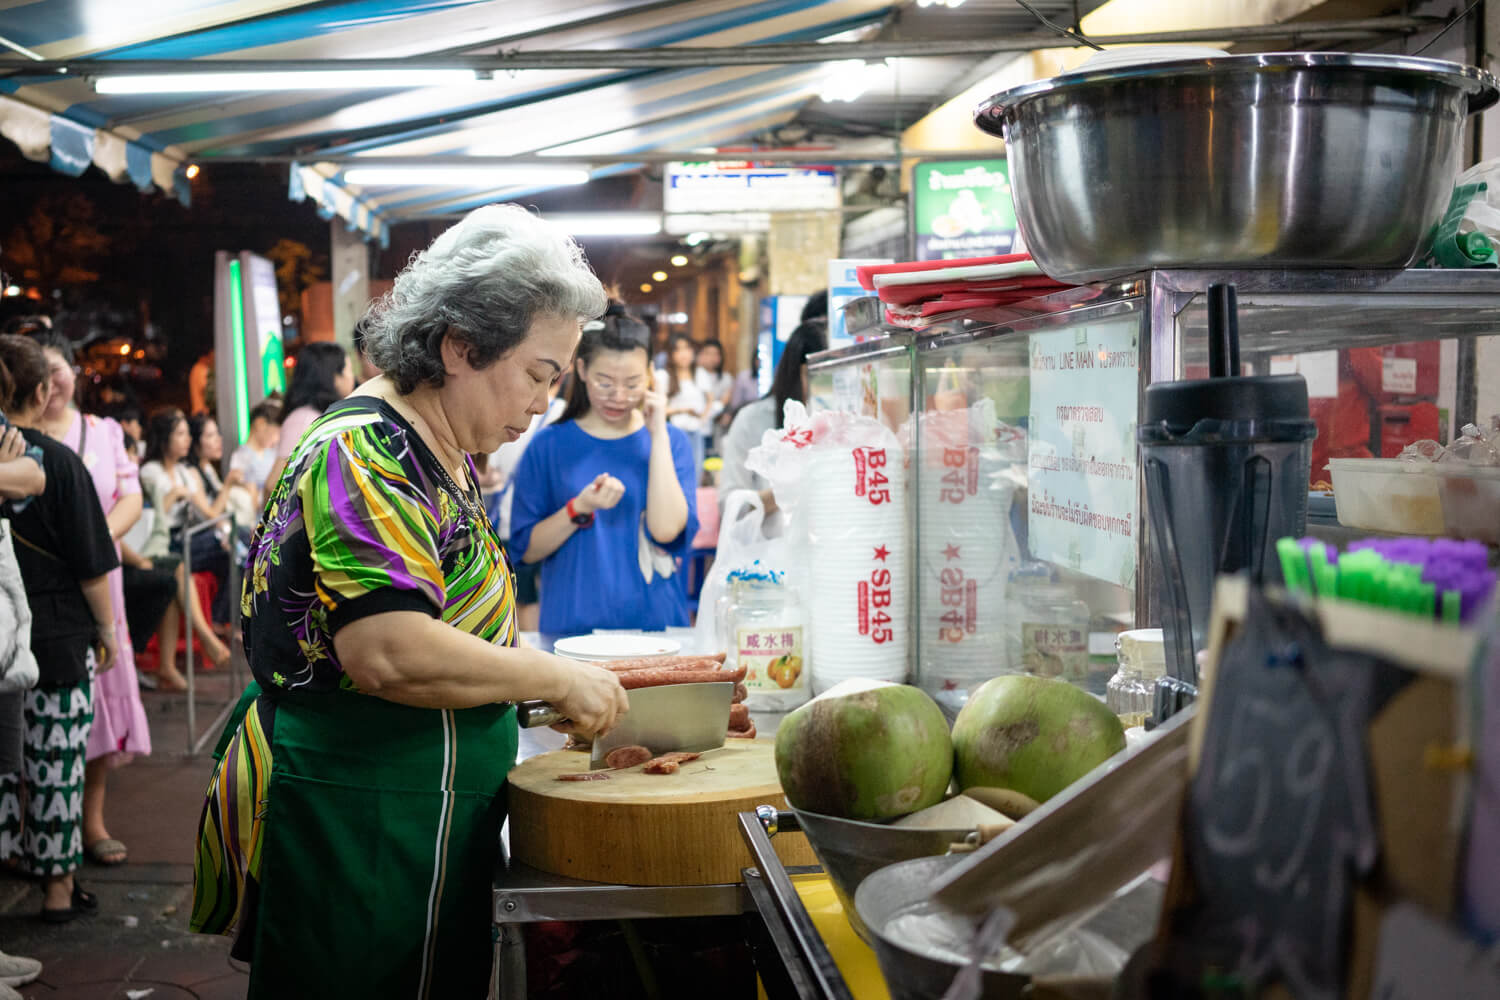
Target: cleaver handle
x,y
530,714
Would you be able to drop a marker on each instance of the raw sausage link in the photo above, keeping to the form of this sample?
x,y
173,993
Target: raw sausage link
x,y
743,734
584,776
740,694
628,756
655,678
739,716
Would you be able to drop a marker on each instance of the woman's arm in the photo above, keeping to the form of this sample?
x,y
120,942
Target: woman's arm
x,y
412,659
125,513
130,557
21,477
96,593
550,534
666,507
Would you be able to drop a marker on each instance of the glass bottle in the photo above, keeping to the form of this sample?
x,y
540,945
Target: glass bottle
x,y
1053,630
763,627
1142,658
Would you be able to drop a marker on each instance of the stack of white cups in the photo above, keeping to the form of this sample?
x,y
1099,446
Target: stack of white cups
x,y
967,550
855,504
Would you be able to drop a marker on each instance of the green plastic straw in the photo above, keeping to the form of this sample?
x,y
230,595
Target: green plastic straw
x,y
1452,603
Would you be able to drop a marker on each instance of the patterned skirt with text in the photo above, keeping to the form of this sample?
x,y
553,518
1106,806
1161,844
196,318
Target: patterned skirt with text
x,y
41,809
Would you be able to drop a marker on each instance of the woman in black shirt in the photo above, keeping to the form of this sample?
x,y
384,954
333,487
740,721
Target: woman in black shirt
x,y
65,552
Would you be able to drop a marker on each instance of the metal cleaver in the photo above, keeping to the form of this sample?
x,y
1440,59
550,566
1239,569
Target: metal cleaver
x,y
688,717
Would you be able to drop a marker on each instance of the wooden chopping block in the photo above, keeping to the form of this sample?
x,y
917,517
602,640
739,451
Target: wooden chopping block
x,y
647,829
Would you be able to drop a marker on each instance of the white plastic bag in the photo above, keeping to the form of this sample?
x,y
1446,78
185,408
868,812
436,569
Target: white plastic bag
x,y
841,479
742,544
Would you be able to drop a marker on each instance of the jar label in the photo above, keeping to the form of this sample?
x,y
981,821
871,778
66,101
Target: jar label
x,y
772,658
1051,650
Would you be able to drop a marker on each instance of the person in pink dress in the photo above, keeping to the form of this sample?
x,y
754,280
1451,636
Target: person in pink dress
x,y
120,730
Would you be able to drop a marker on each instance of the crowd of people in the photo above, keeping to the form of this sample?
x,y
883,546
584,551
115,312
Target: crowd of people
x,y
508,456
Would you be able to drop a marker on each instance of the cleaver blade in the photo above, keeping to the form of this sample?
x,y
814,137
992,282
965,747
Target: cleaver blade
x,y
687,717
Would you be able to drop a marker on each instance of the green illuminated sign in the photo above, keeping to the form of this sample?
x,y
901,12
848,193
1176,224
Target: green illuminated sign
x,y
237,329
273,367
962,208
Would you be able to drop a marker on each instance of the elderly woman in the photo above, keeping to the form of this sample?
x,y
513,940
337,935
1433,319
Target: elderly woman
x,y
379,625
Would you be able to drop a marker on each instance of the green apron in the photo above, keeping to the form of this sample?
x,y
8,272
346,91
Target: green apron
x,y
377,848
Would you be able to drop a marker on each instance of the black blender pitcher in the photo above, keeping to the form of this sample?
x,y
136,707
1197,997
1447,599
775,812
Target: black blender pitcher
x,y
1226,462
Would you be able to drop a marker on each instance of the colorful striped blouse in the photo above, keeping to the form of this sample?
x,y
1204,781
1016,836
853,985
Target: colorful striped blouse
x,y
365,520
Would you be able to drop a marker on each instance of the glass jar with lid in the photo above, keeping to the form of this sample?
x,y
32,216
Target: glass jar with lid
x,y
762,624
1049,625
1142,658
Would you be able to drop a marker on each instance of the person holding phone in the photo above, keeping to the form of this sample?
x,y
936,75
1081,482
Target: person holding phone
x,y
605,498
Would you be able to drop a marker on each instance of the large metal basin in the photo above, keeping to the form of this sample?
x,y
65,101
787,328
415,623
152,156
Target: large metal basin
x,y
851,850
1297,160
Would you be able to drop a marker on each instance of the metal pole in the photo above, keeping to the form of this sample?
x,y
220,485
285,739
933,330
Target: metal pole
x,y
192,597
675,57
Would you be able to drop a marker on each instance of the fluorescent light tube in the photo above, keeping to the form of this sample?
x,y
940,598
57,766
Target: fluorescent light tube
x,y
330,79
608,223
476,175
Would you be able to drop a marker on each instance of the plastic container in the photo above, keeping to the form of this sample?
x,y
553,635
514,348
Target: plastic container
x,y
1142,658
1387,494
1418,498
764,628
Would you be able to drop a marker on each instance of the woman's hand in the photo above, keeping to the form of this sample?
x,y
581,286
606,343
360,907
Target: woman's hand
x,y
12,444
236,477
595,699
602,494
106,648
654,406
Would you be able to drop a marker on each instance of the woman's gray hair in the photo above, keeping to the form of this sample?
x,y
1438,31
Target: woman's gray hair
x,y
483,281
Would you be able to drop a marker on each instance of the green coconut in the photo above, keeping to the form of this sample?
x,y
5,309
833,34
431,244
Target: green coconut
x,y
865,750
1033,735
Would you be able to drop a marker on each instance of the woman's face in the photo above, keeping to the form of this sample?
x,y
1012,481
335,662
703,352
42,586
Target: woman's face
x,y
211,442
61,378
132,426
180,442
491,406
682,354
616,382
710,357
343,382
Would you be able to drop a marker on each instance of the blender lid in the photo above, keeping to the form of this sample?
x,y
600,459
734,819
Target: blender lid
x,y
1180,405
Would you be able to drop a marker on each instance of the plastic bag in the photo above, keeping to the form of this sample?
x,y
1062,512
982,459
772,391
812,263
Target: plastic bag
x,y
742,544
1471,448
973,466
841,479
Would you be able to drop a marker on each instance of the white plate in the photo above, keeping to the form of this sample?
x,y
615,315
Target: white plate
x,y
599,648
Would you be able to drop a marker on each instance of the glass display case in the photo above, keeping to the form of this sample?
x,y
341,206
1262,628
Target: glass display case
x,y
1025,500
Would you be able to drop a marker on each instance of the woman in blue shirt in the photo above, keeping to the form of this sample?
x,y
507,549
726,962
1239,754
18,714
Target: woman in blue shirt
x,y
605,497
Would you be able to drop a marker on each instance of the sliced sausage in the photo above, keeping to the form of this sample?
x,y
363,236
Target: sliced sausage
x,y
656,677
628,756
739,716
584,776
668,763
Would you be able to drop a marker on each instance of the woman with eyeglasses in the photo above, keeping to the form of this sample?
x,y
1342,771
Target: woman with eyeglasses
x,y
604,498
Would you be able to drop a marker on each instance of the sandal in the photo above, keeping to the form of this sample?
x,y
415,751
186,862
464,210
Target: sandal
x,y
62,916
107,852
84,900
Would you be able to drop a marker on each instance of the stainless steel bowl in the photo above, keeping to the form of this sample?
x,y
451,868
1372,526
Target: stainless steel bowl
x,y
1295,160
